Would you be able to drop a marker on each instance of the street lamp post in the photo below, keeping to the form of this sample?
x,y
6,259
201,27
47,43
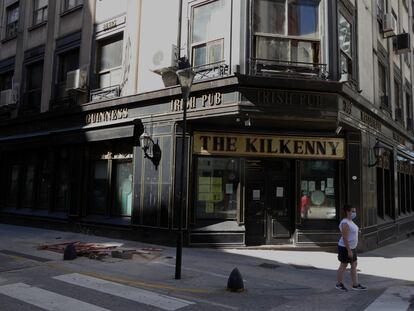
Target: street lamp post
x,y
185,76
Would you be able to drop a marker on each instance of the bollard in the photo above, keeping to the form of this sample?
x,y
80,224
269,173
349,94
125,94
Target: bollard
x,y
235,282
69,253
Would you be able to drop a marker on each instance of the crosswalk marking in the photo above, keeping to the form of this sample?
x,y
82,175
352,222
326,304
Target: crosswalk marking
x,y
131,293
45,299
394,298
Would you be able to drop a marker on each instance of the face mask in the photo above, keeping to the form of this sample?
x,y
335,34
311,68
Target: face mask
x,y
353,215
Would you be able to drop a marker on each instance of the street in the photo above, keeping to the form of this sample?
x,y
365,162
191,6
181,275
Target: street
x,y
31,279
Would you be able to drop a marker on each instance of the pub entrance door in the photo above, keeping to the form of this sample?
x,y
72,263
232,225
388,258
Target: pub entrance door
x,y
269,201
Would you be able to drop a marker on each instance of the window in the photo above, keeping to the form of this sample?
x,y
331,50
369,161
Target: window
x,y
207,37
318,183
12,20
40,11
33,92
6,81
217,188
345,44
384,187
110,61
382,81
397,101
287,30
111,180
70,4
63,181
13,185
67,61
408,111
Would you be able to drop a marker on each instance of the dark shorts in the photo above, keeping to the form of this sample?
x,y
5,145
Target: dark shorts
x,y
343,255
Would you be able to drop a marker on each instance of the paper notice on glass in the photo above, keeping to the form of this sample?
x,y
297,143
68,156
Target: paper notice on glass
x,y
330,183
204,181
216,181
312,186
204,188
229,188
304,185
256,195
279,192
329,191
322,185
209,208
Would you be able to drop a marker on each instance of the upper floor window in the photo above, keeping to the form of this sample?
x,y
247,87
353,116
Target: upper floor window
x,y
382,85
33,89
110,61
67,61
207,37
287,30
6,81
70,4
345,44
40,11
12,20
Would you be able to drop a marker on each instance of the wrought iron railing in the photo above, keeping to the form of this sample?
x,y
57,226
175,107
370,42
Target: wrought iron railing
x,y
105,93
31,101
270,67
211,71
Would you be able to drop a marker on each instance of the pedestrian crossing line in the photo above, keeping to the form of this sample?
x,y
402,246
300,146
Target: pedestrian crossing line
x,y
127,292
45,299
394,298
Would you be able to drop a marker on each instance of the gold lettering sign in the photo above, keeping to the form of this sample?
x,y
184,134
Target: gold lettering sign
x,y
269,146
106,116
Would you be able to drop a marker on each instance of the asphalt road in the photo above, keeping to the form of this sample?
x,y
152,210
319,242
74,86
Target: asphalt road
x,y
274,280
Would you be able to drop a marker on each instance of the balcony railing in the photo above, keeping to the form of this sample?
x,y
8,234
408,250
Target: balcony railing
x,y
105,93
211,71
31,101
269,67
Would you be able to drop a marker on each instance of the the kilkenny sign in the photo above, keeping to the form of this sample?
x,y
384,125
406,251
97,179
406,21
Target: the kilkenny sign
x,y
268,146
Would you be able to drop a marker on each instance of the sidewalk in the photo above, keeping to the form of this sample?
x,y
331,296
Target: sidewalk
x,y
285,280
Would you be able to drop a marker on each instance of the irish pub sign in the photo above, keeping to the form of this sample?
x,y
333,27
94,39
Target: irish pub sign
x,y
268,146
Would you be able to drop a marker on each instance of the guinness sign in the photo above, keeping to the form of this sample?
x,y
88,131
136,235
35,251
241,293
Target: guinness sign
x,y
269,146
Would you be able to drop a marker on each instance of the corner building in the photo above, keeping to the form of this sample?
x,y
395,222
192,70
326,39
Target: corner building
x,y
288,102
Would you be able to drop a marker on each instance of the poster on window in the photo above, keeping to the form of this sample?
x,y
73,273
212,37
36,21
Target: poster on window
x,y
330,183
322,185
256,195
229,188
304,185
279,192
312,185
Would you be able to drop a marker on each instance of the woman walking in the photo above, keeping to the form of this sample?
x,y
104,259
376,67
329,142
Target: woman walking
x,y
347,250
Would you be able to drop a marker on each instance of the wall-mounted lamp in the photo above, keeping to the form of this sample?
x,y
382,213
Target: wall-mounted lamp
x,y
379,150
151,149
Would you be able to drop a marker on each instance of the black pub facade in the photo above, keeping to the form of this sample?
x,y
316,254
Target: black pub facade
x,y
274,147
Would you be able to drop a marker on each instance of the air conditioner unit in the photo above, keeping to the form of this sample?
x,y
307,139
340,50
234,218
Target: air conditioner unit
x,y
6,98
389,26
165,59
73,80
402,43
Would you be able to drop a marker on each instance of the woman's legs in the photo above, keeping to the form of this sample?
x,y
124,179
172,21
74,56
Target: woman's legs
x,y
354,274
341,271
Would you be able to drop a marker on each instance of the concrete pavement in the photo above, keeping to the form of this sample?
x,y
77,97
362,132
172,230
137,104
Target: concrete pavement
x,y
275,280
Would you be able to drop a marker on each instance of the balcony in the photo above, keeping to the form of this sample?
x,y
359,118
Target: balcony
x,y
31,102
105,93
269,68
211,71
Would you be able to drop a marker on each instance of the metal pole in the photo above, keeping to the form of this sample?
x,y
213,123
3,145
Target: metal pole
x,y
181,206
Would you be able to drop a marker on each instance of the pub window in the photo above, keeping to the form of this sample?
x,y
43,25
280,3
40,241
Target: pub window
x,y
287,31
112,181
63,181
217,188
45,182
33,91
318,190
71,4
12,20
29,183
6,81
404,186
110,61
67,61
40,9
208,33
345,44
384,187
13,185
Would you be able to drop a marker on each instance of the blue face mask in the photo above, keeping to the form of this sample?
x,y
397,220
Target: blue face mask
x,y
353,215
